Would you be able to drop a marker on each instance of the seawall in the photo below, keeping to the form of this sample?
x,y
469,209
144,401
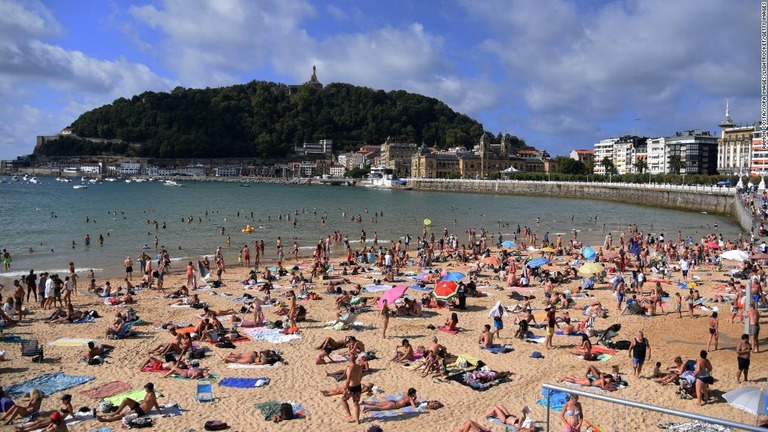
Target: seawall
x,y
710,199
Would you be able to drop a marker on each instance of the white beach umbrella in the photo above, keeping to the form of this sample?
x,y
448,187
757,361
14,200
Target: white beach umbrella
x,y
735,255
750,399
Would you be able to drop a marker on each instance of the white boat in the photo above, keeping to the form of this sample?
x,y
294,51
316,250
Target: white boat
x,y
172,183
384,178
34,180
15,178
79,186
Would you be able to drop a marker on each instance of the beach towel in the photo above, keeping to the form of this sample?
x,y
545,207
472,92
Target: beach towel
x,y
47,383
535,339
603,350
464,360
269,335
478,380
137,395
557,399
11,338
271,408
244,382
499,349
408,410
184,330
105,390
559,332
70,342
154,366
600,357
445,329
85,319
211,376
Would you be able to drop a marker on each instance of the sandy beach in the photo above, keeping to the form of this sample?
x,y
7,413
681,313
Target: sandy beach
x,y
301,380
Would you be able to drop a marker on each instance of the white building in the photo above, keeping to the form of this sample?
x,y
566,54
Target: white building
x,y
337,170
129,168
228,171
603,149
658,159
351,160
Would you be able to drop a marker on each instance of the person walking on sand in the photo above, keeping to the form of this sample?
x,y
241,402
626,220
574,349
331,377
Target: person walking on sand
x,y
353,389
754,328
743,352
639,352
292,309
714,331
246,255
384,318
551,323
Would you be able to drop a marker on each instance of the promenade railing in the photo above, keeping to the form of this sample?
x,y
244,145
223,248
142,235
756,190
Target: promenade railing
x,y
615,414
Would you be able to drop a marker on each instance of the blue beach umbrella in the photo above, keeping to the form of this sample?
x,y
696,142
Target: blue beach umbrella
x,y
537,262
588,253
453,276
508,244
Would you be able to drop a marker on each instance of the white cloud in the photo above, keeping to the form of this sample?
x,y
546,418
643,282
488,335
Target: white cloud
x,y
243,37
654,58
33,68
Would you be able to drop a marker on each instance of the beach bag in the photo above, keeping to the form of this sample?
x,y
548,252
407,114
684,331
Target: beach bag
x,y
215,425
105,407
286,411
140,422
622,345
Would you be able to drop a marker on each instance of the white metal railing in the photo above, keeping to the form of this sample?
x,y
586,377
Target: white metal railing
x,y
643,406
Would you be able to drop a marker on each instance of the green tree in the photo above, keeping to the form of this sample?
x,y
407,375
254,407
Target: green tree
x,y
641,165
607,163
568,165
676,164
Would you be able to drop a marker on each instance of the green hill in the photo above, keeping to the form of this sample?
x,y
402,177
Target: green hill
x,y
261,119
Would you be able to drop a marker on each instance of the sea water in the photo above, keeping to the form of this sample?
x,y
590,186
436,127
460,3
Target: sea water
x,y
40,222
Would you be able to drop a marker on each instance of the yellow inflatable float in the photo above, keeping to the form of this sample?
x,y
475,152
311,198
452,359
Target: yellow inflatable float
x,y
248,229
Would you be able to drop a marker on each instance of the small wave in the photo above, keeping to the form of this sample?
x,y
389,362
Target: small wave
x,y
61,271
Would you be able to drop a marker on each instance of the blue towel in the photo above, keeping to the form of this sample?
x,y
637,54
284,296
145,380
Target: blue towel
x,y
242,382
47,383
499,349
557,399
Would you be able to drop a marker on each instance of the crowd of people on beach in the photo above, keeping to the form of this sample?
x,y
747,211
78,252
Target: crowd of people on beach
x,y
640,269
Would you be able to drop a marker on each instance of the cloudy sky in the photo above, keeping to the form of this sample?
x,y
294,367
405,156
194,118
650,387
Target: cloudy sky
x,y
561,74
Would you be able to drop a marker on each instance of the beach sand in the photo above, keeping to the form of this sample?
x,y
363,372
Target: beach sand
x,y
301,380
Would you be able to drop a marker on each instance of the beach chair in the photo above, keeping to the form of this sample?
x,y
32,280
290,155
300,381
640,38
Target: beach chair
x,y
32,348
124,332
204,392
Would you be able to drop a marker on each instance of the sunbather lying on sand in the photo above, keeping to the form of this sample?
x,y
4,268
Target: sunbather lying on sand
x,y
408,399
264,357
520,424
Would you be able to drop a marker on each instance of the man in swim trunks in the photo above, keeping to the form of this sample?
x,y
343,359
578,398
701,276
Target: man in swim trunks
x,y
551,324
142,409
743,351
353,389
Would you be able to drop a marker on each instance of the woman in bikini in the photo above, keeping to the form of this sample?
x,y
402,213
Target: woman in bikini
x,y
503,414
404,352
703,374
674,372
23,411
586,348
65,411
572,415
714,332
192,372
408,399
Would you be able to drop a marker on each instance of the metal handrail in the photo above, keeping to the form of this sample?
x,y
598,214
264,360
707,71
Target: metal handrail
x,y
644,406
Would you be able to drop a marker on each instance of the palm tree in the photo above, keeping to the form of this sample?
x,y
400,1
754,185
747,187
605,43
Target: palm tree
x,y
676,164
607,163
641,165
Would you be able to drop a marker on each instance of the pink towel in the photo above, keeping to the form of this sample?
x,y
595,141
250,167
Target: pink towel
x,y
108,389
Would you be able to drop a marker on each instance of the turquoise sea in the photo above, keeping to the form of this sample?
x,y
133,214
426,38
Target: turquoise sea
x,y
39,222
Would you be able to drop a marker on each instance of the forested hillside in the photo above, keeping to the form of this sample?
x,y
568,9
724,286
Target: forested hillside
x,y
262,119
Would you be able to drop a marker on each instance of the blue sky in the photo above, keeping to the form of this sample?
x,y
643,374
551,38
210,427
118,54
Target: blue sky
x,y
560,74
